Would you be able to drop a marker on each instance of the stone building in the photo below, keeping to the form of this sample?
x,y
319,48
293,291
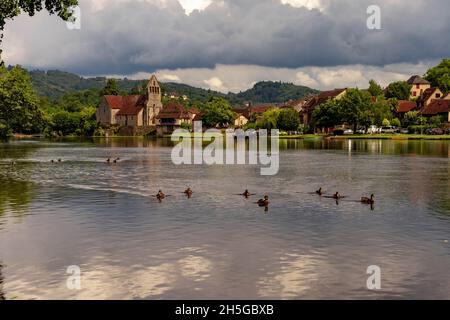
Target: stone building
x,y
132,111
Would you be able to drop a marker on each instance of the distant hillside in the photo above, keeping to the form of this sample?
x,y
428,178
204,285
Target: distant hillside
x,y
54,84
270,91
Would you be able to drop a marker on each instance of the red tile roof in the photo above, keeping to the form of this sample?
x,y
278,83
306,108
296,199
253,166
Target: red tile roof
x,y
173,110
405,106
436,107
114,102
132,105
322,97
128,105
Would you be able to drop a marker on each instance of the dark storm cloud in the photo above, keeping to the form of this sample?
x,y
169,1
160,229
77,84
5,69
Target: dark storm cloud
x,y
129,36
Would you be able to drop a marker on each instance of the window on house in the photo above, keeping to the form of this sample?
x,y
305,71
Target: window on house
x,y
417,86
438,95
414,93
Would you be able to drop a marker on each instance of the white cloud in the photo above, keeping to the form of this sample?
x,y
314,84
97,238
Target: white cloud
x,y
309,4
235,78
215,83
190,5
169,77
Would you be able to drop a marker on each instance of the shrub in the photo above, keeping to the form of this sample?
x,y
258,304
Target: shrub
x,y
5,131
435,121
386,123
419,129
396,123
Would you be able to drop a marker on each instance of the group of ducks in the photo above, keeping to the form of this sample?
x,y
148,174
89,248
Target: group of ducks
x,y
113,161
337,196
264,202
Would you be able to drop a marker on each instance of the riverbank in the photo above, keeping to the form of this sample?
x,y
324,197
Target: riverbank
x,y
286,137
392,137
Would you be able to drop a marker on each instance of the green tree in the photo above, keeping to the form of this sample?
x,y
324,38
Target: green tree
x,y
435,121
5,130
355,107
326,115
269,119
382,109
386,123
111,88
19,102
217,112
288,120
64,123
396,123
9,9
375,89
399,90
439,76
411,118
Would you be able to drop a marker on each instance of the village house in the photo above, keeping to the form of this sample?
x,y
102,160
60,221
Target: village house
x,y
405,106
240,120
439,107
132,111
173,116
316,100
298,105
419,85
428,96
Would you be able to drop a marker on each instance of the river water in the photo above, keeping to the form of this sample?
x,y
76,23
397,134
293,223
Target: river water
x,y
104,220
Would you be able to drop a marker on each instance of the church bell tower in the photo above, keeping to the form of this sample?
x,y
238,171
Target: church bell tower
x,y
154,104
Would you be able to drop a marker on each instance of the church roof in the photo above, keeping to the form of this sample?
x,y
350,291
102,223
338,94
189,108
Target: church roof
x,y
127,105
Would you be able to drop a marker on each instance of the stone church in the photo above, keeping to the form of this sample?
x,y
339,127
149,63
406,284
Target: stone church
x,y
134,110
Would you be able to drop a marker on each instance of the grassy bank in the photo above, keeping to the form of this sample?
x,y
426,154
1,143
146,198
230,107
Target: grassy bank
x,y
393,137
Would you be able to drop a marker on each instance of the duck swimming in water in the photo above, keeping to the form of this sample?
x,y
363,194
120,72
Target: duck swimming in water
x,y
108,160
188,192
246,194
263,202
337,196
319,192
160,195
370,200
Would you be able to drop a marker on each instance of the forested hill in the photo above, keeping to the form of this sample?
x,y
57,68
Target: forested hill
x,y
54,84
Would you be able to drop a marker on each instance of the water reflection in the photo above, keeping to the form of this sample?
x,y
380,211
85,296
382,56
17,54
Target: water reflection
x,y
16,196
2,294
104,218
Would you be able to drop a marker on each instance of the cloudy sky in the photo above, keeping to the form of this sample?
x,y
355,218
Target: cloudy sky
x,y
228,45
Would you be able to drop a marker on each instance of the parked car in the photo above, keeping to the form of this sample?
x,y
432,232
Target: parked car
x,y
389,129
447,131
404,131
361,131
435,131
373,130
338,132
348,131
